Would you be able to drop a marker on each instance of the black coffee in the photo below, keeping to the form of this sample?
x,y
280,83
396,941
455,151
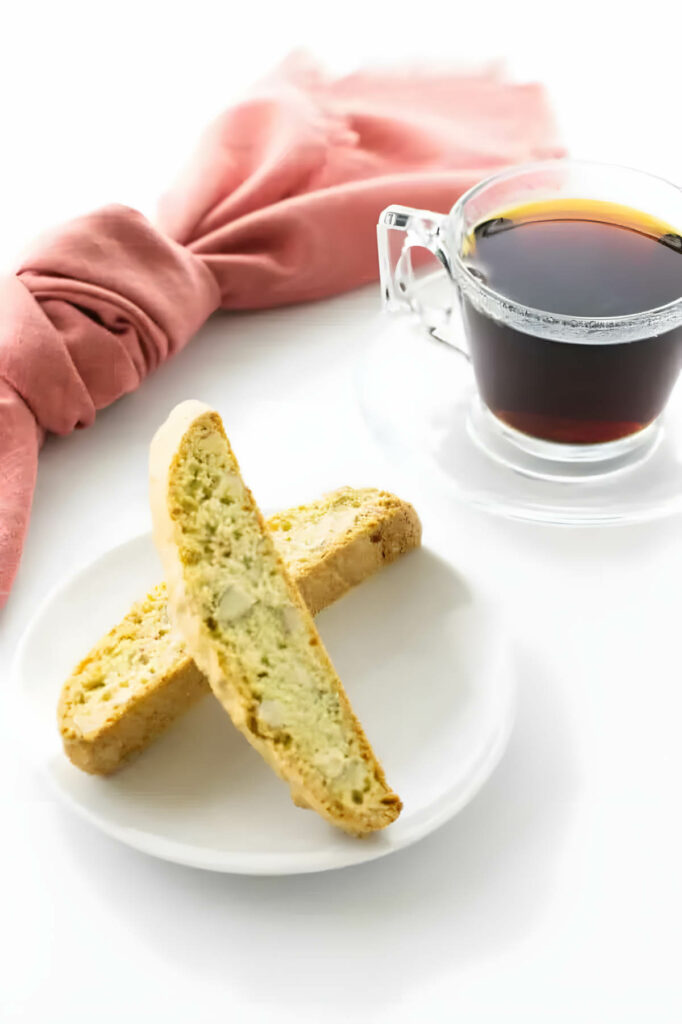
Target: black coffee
x,y
576,258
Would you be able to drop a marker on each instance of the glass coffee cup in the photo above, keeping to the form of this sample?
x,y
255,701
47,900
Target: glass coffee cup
x,y
568,278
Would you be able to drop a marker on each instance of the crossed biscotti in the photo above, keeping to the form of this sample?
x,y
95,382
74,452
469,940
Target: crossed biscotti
x,y
139,678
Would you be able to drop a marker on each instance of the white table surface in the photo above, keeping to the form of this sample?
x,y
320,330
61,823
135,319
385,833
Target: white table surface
x,y
556,895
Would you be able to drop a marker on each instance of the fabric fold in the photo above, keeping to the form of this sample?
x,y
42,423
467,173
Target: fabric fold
x,y
278,205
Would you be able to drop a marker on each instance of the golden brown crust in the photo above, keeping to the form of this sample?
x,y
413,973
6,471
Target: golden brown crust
x,y
228,676
104,751
383,528
392,530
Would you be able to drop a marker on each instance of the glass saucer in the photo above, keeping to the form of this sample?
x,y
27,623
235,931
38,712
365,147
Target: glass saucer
x,y
418,397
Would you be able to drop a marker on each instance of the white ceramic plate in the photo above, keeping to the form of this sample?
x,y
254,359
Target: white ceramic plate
x,y
425,664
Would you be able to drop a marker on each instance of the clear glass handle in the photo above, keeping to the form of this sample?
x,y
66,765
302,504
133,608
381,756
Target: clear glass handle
x,y
401,229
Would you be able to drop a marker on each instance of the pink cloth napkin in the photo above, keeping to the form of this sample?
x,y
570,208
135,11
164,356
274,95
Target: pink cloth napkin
x,y
279,205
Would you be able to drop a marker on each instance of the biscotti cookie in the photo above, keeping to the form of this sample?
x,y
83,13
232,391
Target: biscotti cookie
x,y
139,679
245,625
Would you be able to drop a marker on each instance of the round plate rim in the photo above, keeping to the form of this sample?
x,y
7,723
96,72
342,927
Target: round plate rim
x,y
369,849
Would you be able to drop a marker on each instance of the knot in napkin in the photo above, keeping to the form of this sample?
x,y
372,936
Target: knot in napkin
x,y
279,205
93,308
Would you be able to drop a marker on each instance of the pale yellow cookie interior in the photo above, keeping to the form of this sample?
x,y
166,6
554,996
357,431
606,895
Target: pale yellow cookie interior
x,y
234,582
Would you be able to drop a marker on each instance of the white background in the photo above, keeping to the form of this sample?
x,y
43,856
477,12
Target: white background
x,y
556,895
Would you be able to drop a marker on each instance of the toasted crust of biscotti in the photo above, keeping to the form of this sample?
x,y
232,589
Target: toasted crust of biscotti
x,y
383,531
104,750
232,600
326,558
